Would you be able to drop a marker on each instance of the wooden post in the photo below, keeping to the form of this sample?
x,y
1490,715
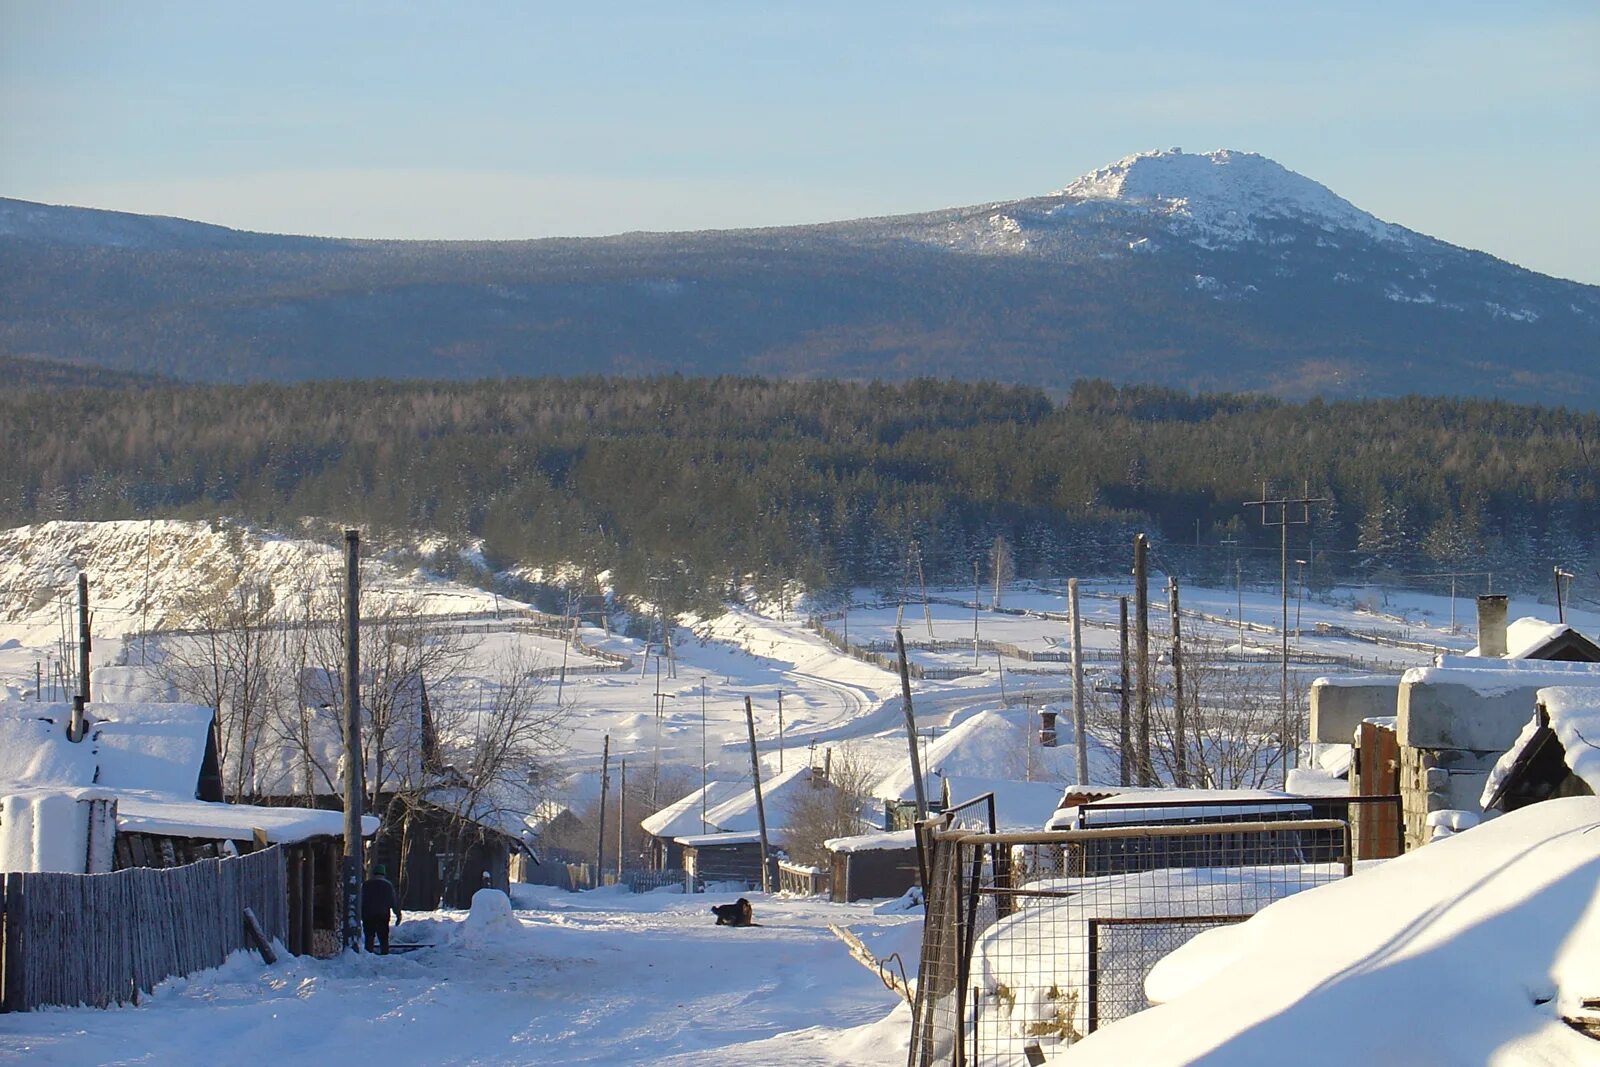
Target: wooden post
x,y
911,726
1080,714
755,780
83,637
975,598
353,866
1124,735
622,817
1141,625
1180,738
605,782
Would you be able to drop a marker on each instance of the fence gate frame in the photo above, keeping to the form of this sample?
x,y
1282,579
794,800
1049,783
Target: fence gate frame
x,y
967,871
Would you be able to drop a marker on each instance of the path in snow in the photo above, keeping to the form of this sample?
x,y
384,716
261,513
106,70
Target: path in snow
x,y
603,977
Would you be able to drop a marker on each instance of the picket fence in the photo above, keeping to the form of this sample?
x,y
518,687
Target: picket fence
x,y
104,939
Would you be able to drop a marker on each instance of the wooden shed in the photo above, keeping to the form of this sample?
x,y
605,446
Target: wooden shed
x,y
870,866
732,857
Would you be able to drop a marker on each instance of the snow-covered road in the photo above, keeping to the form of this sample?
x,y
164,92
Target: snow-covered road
x,y
603,977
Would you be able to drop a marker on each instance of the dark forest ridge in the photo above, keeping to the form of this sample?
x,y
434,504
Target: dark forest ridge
x,y
728,480
1217,271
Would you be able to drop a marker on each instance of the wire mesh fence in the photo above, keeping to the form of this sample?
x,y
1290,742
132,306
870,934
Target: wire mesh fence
x,y
1033,940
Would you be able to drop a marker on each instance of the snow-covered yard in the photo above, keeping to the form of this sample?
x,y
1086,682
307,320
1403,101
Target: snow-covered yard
x,y
600,977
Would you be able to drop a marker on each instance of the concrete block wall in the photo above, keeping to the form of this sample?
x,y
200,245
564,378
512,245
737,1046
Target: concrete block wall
x,y
1439,780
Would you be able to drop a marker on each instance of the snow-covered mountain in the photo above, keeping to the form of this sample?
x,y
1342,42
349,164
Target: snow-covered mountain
x,y
1222,270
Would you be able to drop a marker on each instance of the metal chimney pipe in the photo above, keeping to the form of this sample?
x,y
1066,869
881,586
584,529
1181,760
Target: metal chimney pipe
x,y
1492,626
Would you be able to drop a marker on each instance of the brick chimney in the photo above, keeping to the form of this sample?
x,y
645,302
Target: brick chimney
x,y
1047,729
1492,626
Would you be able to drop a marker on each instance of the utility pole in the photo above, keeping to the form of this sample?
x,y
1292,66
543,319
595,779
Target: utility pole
x,y
655,759
927,613
1180,733
1300,595
1561,606
702,755
1141,623
1284,520
1124,738
605,783
976,596
622,817
755,780
83,637
780,731
1080,714
911,725
353,767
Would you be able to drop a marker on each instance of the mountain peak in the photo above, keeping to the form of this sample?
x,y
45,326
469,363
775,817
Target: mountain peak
x,y
1223,194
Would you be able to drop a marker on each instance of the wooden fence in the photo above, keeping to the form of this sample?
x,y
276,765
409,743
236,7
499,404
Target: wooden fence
x,y
103,939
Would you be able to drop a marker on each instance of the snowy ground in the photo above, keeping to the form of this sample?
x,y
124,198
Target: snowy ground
x,y
827,698
604,977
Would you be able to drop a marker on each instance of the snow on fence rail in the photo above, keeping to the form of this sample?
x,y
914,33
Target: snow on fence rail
x,y
103,939
1033,940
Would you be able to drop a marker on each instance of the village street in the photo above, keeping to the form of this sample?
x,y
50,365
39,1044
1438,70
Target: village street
x,y
601,977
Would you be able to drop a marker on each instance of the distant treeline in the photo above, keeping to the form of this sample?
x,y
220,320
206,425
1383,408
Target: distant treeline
x,y
714,484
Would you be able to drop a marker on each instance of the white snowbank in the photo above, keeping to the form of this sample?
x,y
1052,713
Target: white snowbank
x,y
872,842
1467,951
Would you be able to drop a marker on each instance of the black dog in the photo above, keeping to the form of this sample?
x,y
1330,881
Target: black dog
x,y
738,913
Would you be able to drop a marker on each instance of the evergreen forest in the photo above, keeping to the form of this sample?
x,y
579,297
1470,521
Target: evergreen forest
x,y
723,485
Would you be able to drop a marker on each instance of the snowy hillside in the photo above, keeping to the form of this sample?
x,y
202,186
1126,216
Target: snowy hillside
x,y
140,570
1220,271
1219,197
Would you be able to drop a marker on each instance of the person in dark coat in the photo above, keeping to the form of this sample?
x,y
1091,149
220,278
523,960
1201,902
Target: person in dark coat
x,y
378,899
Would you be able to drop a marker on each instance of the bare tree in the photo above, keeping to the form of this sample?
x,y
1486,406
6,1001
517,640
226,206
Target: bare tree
x,y
227,657
491,763
832,808
1001,566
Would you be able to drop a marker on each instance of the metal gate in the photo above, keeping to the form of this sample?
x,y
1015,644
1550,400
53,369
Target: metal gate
x,y
1033,940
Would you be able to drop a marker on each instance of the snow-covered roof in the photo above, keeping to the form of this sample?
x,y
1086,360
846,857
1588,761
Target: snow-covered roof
x,y
155,747
233,822
1493,677
738,812
147,757
1316,782
746,837
1161,805
992,741
1571,714
889,839
1017,805
682,816
1528,635
1471,950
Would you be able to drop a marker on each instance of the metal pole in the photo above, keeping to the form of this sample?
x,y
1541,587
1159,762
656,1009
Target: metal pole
x,y
353,767
622,816
911,725
780,731
1080,713
755,780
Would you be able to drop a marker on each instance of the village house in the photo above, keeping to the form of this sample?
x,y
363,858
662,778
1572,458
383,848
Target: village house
x,y
138,788
1557,754
1433,734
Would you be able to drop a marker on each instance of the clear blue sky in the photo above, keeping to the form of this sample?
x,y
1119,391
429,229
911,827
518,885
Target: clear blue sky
x,y
1475,122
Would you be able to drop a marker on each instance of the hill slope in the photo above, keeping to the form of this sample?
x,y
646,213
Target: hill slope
x,y
1217,271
